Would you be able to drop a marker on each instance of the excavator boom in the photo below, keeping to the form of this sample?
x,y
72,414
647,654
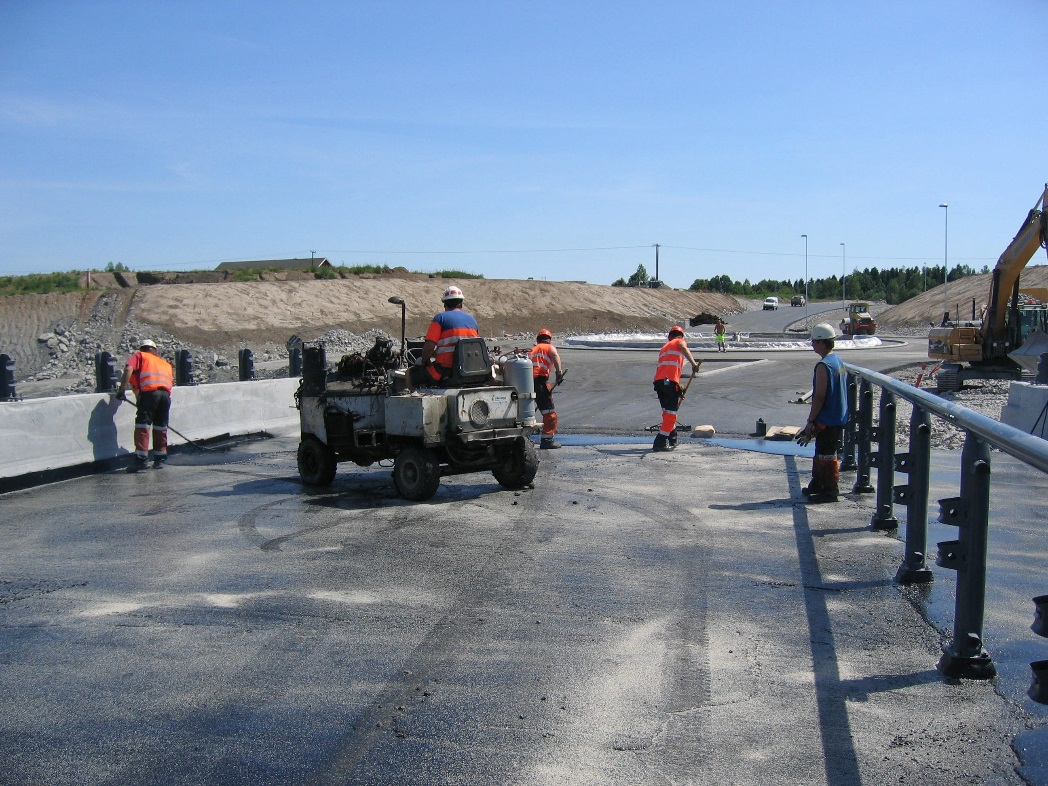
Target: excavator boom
x,y
985,346
1004,285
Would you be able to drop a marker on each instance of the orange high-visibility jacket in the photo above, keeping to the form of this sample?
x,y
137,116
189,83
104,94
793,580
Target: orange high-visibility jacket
x,y
542,362
151,372
671,360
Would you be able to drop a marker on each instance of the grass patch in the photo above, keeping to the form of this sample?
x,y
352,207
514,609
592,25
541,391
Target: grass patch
x,y
358,269
455,274
39,283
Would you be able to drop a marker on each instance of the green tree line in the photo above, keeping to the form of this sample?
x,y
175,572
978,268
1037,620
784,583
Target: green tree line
x,y
892,285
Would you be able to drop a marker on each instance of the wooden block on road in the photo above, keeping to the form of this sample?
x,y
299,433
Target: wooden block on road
x,y
783,432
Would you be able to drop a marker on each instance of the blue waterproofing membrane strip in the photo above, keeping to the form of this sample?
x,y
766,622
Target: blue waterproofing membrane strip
x,y
771,447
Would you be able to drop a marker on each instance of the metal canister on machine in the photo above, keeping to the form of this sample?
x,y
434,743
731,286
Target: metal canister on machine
x,y
517,373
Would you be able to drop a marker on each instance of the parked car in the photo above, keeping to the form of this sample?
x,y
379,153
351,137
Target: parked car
x,y
771,303
798,300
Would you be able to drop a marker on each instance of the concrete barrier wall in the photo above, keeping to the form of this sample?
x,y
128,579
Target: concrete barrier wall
x,y
1027,408
68,431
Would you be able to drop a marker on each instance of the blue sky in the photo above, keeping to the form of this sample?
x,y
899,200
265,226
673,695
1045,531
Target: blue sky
x,y
559,140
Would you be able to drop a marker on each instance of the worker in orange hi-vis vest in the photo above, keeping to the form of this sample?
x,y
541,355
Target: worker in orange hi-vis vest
x,y
667,385
545,362
151,377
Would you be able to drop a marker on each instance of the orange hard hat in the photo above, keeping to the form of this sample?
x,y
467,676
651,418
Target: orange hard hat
x,y
545,334
676,329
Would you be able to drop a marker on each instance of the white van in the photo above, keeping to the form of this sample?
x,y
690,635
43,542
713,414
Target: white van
x,y
771,303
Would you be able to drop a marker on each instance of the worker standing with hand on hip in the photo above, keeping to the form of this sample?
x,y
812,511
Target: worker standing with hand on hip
x,y
667,385
827,418
151,377
545,361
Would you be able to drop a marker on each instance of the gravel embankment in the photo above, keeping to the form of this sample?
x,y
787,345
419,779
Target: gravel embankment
x,y
987,397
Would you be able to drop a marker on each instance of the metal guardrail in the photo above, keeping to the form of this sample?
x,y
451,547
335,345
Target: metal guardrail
x,y
969,511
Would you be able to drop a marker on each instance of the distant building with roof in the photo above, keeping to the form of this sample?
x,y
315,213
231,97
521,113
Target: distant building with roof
x,y
288,264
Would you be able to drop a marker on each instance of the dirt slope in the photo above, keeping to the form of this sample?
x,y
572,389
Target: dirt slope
x,y
928,307
218,314
226,315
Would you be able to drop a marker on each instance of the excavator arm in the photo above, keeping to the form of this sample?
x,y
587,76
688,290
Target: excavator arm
x,y
1004,284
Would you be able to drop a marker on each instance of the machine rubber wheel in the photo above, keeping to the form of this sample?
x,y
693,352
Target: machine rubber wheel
x,y
520,465
416,473
316,462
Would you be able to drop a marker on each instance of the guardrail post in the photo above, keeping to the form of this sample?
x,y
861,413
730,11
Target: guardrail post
x,y
848,462
862,475
1039,686
914,494
884,461
970,512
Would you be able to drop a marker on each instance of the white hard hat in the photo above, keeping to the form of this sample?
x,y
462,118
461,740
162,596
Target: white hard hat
x,y
453,293
147,342
822,332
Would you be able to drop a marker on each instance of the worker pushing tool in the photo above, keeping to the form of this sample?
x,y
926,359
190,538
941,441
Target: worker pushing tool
x,y
667,385
545,361
151,377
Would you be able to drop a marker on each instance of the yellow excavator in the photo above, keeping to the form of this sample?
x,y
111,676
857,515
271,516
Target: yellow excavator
x,y
979,348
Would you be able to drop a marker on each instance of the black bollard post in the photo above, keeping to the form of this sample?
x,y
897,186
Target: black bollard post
x,y
247,365
294,360
106,375
183,367
7,378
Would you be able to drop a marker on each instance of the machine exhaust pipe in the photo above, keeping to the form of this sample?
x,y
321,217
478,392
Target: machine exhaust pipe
x,y
399,301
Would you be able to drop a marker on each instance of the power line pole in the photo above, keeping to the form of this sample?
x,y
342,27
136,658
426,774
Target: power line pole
x,y
656,262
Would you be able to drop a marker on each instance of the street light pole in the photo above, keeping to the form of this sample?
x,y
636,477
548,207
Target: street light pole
x,y
844,273
805,280
945,258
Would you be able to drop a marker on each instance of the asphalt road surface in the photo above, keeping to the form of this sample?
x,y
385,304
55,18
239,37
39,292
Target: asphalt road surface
x,y
635,618
610,391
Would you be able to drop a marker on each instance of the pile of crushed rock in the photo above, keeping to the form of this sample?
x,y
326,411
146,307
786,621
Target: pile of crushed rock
x,y
985,396
69,350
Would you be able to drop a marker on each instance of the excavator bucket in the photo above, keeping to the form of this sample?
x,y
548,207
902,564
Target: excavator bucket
x,y
1029,354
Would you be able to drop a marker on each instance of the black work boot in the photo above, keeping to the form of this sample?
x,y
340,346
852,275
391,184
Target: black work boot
x,y
137,464
672,441
820,497
661,444
548,443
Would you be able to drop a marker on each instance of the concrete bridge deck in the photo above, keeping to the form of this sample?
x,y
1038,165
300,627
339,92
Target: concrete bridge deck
x,y
636,618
